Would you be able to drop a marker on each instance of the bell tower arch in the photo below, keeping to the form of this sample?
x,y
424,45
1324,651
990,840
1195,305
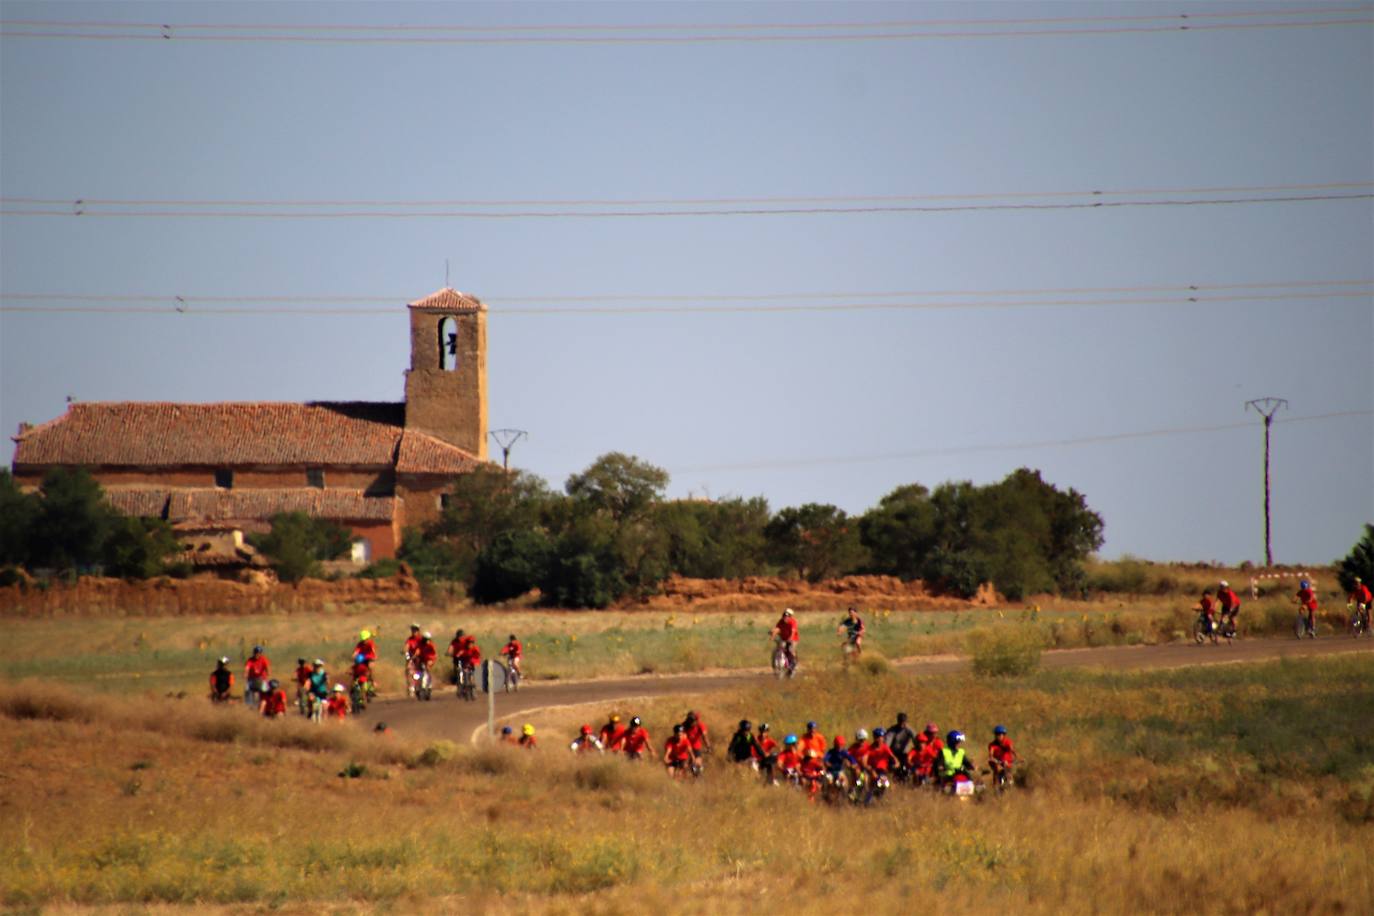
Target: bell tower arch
x,y
446,385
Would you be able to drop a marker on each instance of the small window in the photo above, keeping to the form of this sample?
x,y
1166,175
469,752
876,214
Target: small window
x,y
448,344
224,479
445,500
314,477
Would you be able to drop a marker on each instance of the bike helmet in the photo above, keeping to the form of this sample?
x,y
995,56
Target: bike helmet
x,y
527,729
614,718
954,738
839,741
339,688
790,739
586,729
932,728
360,659
511,637
426,635
677,729
455,635
635,723
763,727
300,661
879,732
224,659
861,735
506,730
273,684
745,725
319,663
1000,730
901,718
414,625
811,726
1224,584
787,612
1304,584
365,634
257,650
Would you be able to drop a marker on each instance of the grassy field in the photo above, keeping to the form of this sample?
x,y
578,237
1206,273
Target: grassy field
x,y
176,654
1240,789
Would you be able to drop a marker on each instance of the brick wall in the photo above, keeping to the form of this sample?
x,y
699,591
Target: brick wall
x,y
449,404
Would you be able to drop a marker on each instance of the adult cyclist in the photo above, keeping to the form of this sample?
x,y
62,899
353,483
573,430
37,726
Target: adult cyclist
x,y
1360,600
786,634
852,626
1306,597
1228,603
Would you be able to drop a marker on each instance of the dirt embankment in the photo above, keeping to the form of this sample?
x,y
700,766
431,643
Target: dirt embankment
x,y
93,596
756,593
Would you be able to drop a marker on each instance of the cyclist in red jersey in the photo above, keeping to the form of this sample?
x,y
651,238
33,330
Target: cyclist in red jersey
x,y
787,633
336,707
860,747
256,672
1206,609
586,742
695,730
512,653
612,734
527,739
1001,755
636,740
677,752
789,761
880,759
273,705
1229,603
1307,603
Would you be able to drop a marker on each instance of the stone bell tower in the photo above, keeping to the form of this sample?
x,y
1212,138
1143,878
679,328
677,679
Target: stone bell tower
x,y
446,385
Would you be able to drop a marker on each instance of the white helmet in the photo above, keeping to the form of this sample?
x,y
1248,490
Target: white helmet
x,y
1225,584
426,635
319,663
861,735
338,688
224,659
787,612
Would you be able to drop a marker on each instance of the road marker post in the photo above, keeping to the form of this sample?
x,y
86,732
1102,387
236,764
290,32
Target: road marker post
x,y
491,702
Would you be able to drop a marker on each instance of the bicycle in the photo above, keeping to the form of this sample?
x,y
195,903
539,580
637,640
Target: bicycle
x,y
1203,628
467,688
1359,620
850,650
422,683
1306,625
357,696
512,674
784,659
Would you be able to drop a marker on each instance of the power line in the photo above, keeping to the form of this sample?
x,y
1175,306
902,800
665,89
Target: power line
x,y
188,299
82,203
641,214
784,463
677,26
184,305
170,33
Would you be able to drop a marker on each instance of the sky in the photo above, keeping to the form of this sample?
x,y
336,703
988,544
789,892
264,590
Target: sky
x,y
980,362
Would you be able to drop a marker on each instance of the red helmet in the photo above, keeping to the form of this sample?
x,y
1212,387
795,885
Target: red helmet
x,y
586,729
839,740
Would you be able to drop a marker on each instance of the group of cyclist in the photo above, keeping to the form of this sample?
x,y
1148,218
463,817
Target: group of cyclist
x,y
1217,617
786,633
318,700
859,771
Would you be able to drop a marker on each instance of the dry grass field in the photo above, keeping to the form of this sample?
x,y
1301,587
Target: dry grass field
x,y
1242,789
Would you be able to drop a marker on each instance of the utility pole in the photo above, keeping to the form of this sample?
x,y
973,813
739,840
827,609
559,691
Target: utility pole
x,y
506,439
1267,407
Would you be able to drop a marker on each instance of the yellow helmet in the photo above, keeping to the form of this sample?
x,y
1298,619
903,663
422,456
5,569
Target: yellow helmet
x,y
365,634
615,718
527,729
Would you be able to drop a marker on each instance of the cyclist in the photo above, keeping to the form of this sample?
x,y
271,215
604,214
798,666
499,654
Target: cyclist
x,y
256,672
221,681
1229,603
636,740
901,739
317,691
766,750
462,649
860,748
787,634
586,742
677,752
273,705
812,739
695,730
612,734
527,739
512,653
361,674
837,759
812,771
1307,603
852,626
1001,755
1206,615
880,759
954,764
366,647
1360,600
336,707
508,735
926,752
744,747
789,761
303,670
424,656
408,650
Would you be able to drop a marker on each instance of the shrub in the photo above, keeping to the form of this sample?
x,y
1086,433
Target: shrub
x,y
437,753
1010,653
385,568
511,565
297,543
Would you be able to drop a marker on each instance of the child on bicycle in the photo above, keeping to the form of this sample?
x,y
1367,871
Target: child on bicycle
x,y
512,653
852,626
787,634
273,705
1206,609
1001,755
1307,603
221,681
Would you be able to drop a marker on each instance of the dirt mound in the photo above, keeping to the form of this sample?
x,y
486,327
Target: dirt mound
x,y
768,592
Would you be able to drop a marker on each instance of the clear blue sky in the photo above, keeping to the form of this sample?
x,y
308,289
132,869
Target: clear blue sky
x,y
777,404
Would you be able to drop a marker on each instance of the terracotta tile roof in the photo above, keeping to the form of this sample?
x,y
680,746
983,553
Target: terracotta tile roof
x,y
423,454
449,300
163,434
211,504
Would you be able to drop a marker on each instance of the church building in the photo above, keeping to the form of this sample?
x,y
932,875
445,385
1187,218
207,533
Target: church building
x,y
374,467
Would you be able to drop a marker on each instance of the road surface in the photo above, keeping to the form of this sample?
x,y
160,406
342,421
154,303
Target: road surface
x,y
446,717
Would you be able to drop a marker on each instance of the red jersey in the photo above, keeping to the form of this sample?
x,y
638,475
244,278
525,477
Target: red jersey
x,y
336,706
677,749
367,649
927,753
859,750
1307,598
789,761
1206,604
695,735
527,742
1360,595
425,653
1229,601
474,654
636,741
303,673
763,747
360,673
812,742
512,649
1001,751
257,668
880,757
812,767
612,736
274,704
787,629
412,643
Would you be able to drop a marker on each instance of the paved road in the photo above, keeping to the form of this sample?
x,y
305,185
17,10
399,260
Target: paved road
x,y
446,717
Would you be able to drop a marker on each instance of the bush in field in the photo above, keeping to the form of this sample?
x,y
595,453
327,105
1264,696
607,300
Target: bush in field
x,y
137,548
72,523
1359,562
1005,653
385,568
297,543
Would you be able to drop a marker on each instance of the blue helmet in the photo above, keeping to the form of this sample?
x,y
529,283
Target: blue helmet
x,y
1000,730
954,737
790,739
257,650
811,725
506,730
1304,584
360,659
879,732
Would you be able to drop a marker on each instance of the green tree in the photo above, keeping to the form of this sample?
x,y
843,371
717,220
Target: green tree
x,y
138,548
817,540
899,532
511,565
620,484
298,543
720,539
72,523
1359,562
18,510
586,568
486,503
432,559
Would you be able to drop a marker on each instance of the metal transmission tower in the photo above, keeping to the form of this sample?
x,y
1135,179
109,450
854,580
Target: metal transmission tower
x,y
506,439
1267,407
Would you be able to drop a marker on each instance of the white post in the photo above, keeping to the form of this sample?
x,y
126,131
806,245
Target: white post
x,y
491,702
